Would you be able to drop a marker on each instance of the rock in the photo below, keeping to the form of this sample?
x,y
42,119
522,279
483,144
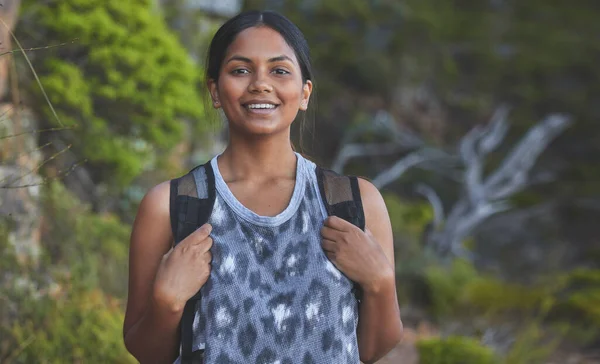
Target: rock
x,y
19,182
20,209
21,149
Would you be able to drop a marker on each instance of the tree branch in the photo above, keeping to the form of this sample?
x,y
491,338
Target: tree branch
x,y
395,171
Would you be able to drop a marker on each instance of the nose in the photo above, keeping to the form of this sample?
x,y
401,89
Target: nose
x,y
260,84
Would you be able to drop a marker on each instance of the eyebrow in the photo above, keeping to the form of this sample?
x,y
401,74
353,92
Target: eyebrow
x,y
271,60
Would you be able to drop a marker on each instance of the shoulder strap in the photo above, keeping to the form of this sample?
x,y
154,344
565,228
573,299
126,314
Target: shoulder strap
x,y
191,201
190,206
341,196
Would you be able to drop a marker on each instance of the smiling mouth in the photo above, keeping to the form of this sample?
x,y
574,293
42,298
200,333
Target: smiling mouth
x,y
261,108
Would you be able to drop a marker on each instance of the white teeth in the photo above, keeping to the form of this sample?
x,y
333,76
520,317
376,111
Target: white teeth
x,y
261,106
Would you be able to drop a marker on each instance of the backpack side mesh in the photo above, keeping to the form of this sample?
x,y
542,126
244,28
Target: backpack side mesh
x,y
341,196
337,188
187,186
188,210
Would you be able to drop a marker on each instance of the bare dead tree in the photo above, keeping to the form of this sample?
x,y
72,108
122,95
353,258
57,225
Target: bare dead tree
x,y
482,196
402,141
436,204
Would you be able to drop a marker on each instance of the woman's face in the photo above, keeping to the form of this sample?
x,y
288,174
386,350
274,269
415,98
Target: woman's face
x,y
260,85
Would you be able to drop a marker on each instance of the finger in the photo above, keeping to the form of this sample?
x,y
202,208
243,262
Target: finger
x,y
338,223
205,245
330,234
199,235
331,256
167,254
329,246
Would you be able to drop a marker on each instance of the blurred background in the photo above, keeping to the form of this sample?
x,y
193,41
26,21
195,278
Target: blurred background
x,y
478,120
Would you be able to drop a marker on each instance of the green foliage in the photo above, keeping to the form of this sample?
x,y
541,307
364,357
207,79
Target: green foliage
x,y
531,346
495,297
125,82
82,326
92,247
562,308
446,286
578,297
572,297
454,350
62,308
407,218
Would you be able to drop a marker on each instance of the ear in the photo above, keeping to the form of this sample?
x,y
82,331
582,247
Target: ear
x,y
214,93
306,91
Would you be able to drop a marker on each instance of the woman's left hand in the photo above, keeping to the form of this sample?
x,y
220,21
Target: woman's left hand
x,y
355,253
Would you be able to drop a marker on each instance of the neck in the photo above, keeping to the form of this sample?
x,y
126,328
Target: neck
x,y
261,157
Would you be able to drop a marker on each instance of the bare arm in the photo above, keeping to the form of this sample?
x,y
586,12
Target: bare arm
x,y
367,258
161,279
379,326
150,329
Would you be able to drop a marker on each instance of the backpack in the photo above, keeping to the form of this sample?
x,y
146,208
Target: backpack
x,y
191,201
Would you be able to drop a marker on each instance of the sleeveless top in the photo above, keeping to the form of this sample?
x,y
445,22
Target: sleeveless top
x,y
272,296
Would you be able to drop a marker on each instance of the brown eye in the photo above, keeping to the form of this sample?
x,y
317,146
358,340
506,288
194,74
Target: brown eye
x,y
281,71
240,71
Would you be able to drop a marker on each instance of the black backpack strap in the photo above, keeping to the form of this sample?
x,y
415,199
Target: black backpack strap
x,y
191,203
341,196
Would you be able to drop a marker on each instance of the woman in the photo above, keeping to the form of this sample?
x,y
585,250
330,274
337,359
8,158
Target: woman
x,y
291,296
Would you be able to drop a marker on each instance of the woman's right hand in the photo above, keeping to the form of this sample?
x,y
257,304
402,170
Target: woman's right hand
x,y
183,270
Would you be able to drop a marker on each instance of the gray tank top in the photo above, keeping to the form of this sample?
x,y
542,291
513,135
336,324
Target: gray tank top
x,y
273,297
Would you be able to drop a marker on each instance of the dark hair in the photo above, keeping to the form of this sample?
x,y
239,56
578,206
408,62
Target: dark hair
x,y
255,18
234,26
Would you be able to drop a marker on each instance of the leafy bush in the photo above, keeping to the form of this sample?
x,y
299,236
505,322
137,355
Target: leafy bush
x,y
446,286
494,296
82,326
454,350
91,248
407,218
579,297
532,345
67,307
122,78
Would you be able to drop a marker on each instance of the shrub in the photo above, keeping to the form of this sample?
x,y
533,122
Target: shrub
x,y
446,285
81,327
67,307
454,350
91,248
122,78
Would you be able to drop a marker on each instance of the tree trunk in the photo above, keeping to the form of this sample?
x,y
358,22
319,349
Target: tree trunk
x,y
8,18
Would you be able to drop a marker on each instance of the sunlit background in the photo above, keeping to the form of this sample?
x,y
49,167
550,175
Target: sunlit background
x,y
478,120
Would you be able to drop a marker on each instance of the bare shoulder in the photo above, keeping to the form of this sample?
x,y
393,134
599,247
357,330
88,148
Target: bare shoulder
x,y
373,202
152,224
376,217
156,199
